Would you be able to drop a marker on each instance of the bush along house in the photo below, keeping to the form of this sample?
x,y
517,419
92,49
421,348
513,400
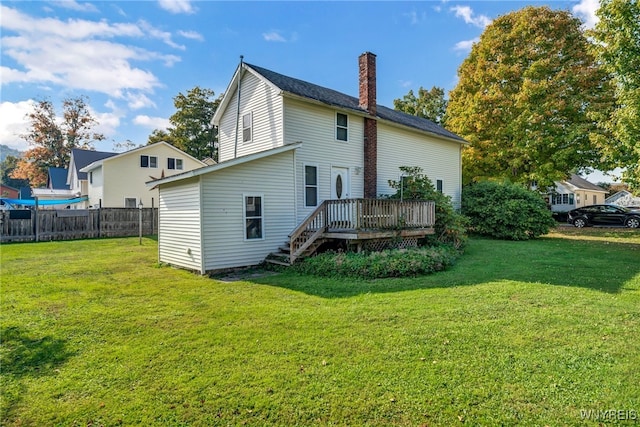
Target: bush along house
x,y
301,166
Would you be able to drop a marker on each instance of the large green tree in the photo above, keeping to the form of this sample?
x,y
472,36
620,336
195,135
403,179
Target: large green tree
x,y
528,99
191,129
617,45
52,139
429,104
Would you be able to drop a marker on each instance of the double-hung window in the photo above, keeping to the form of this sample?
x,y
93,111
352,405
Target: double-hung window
x,y
439,185
342,127
253,217
174,163
148,161
247,125
310,185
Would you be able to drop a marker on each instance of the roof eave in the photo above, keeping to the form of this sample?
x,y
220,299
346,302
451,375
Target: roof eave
x,y
218,166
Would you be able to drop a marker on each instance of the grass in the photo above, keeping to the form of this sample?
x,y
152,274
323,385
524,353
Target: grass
x,y
94,332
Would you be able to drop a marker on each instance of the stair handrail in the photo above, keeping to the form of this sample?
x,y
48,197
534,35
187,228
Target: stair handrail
x,y
297,248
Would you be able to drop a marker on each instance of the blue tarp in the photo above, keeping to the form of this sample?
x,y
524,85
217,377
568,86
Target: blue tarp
x,y
32,202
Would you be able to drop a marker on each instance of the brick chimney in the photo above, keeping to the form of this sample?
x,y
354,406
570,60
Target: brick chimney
x,y
367,101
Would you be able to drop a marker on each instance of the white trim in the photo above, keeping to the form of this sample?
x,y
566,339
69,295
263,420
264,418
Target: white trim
x,y
244,217
337,126
250,114
317,185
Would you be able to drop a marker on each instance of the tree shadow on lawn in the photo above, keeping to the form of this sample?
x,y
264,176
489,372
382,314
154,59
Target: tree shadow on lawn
x,y
22,354
600,266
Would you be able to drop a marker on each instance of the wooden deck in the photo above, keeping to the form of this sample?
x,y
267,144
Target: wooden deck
x,y
358,220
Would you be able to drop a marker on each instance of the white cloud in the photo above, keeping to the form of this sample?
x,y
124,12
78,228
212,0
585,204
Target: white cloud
x,y
466,13
152,122
273,36
193,35
586,10
405,83
15,123
139,100
85,57
466,45
74,5
177,6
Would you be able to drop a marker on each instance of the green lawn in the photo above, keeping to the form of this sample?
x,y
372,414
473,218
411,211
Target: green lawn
x,y
95,332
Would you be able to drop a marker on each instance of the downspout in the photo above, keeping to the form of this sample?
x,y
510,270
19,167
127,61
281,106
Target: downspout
x,y
235,149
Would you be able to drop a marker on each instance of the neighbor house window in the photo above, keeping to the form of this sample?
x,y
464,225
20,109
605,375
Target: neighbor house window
x,y
595,199
310,185
90,177
174,163
148,161
130,202
342,127
565,199
253,217
439,185
247,122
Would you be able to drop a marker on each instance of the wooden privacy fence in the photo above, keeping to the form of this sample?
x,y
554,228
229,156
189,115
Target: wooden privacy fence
x,y
65,224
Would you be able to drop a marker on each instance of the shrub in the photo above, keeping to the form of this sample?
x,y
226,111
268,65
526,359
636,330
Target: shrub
x,y
505,211
375,265
450,226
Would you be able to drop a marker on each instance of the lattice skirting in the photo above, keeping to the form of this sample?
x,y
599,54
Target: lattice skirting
x,y
382,244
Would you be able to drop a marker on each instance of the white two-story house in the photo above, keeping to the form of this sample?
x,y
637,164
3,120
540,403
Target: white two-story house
x,y
289,149
117,180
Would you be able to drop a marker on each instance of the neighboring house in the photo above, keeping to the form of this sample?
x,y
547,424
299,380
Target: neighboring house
x,y
300,160
9,192
76,179
623,198
57,187
118,180
574,193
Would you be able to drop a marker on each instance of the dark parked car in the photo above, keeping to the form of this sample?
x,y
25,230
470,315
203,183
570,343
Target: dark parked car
x,y
604,215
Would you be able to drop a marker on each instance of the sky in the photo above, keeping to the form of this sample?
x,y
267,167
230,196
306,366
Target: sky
x,y
131,58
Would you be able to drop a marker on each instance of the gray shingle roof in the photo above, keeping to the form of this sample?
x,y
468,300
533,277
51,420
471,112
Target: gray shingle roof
x,y
82,158
58,178
582,183
338,99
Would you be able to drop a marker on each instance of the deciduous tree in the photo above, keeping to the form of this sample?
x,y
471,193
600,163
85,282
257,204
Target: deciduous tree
x,y
52,139
191,129
528,99
617,45
429,104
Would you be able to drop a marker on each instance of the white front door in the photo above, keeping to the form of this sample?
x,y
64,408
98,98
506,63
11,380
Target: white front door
x,y
340,213
340,183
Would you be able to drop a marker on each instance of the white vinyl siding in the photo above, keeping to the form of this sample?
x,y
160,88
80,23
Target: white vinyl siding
x,y
264,103
439,159
315,127
179,231
223,194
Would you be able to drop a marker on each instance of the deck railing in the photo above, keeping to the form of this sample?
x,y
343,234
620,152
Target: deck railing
x,y
358,215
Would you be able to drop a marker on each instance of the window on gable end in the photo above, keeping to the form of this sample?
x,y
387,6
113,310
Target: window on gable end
x,y
247,125
342,127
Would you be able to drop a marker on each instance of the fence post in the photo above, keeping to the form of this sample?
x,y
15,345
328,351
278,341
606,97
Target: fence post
x,y
100,218
140,220
153,216
35,222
